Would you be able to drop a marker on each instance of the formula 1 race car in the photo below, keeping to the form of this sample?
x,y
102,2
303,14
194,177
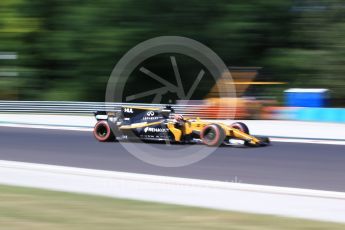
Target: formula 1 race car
x,y
162,124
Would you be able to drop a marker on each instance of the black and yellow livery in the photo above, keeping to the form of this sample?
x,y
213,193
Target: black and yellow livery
x,y
162,124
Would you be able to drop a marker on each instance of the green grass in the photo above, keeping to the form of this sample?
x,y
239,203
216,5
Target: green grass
x,y
23,208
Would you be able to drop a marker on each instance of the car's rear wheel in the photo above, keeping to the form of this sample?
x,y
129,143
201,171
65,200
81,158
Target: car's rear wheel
x,y
212,135
102,132
240,126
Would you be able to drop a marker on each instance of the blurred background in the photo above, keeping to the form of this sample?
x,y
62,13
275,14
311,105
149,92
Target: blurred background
x,y
287,61
65,50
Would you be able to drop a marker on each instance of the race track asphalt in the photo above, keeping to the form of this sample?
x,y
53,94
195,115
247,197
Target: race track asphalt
x,y
313,166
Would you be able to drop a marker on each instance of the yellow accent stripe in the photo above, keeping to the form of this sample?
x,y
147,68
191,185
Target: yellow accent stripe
x,y
140,125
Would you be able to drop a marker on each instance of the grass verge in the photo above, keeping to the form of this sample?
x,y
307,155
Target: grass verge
x,y
24,208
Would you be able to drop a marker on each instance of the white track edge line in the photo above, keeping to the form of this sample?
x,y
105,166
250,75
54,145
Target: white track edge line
x,y
171,180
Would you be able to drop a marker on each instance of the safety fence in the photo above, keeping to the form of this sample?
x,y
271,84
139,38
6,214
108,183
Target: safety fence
x,y
205,111
70,107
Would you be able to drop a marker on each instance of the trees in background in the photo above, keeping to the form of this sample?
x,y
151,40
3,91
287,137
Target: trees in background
x,y
67,49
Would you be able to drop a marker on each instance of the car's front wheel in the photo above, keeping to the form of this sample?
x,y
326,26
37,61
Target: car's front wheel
x,y
240,126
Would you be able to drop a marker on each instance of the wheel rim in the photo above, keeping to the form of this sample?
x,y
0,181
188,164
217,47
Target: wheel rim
x,y
102,131
210,135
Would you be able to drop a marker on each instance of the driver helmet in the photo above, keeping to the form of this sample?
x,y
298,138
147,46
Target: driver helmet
x,y
178,117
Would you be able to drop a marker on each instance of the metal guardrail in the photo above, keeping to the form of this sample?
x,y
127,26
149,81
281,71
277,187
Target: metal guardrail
x,y
51,107
60,106
72,107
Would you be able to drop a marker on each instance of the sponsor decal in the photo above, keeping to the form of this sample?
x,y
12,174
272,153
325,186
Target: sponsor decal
x,y
150,113
128,110
151,118
155,130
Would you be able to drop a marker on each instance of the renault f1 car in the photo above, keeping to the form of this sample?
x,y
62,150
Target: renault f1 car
x,y
163,124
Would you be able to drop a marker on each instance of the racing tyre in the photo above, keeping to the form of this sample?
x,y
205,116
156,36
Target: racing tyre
x,y
240,126
212,135
102,132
